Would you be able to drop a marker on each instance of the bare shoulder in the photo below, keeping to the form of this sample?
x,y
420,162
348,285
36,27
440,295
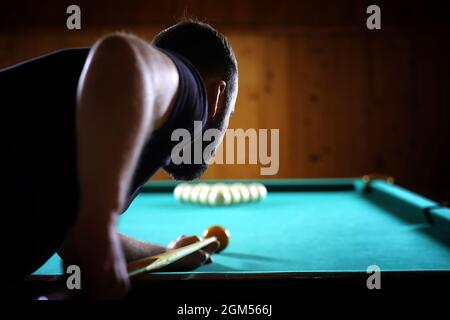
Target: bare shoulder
x,y
128,45
160,73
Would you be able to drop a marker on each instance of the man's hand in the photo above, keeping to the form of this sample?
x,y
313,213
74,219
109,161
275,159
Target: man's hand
x,y
96,248
195,259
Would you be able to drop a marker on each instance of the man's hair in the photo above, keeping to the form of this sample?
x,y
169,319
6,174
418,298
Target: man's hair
x,y
207,49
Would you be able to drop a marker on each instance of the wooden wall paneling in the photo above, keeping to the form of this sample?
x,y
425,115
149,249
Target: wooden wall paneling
x,y
429,141
347,106
274,111
390,107
346,102
309,86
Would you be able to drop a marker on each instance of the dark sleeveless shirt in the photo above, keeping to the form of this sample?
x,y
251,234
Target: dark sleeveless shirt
x,y
38,105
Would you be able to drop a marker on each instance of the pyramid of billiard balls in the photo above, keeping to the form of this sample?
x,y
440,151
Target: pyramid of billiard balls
x,y
219,194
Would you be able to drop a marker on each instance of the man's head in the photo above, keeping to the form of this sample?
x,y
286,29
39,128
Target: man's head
x,y
211,54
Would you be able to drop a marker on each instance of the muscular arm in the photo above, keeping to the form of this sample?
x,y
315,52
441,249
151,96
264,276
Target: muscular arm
x,y
125,92
133,249
120,101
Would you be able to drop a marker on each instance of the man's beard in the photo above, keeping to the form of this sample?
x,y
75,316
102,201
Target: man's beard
x,y
192,171
186,172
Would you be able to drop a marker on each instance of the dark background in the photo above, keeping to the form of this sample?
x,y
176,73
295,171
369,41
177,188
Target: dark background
x,y
347,100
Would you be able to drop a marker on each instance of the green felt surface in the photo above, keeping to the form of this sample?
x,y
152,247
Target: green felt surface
x,y
300,231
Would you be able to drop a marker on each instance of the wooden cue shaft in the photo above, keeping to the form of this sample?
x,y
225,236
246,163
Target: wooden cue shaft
x,y
159,261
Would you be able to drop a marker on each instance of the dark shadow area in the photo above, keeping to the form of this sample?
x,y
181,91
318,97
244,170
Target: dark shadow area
x,y
245,256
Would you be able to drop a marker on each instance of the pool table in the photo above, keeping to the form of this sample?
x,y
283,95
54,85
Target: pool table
x,y
307,234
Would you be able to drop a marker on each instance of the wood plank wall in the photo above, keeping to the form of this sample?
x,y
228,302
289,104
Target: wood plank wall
x,y
347,102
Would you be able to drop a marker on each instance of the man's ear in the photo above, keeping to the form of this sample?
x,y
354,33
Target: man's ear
x,y
216,90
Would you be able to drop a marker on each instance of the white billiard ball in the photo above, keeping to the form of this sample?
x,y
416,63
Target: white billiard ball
x,y
179,190
216,195
223,196
219,185
203,194
195,192
262,190
211,199
243,190
186,193
235,194
253,190
212,195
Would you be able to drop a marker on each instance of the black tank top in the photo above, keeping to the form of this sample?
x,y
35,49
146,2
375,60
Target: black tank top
x,y
40,182
39,98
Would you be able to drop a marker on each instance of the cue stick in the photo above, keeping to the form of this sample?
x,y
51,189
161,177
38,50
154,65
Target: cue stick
x,y
159,261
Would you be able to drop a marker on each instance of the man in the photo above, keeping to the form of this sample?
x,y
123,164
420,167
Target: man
x,y
91,126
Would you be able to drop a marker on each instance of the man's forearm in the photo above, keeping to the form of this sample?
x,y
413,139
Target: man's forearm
x,y
135,249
